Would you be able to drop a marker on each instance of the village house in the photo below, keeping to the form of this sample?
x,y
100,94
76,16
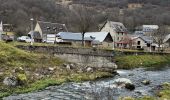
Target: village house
x,y
144,43
6,32
45,30
99,39
148,30
118,33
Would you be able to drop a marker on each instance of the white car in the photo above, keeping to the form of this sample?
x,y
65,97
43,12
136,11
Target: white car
x,y
24,39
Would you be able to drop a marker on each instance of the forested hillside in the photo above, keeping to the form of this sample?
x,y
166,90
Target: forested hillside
x,y
19,12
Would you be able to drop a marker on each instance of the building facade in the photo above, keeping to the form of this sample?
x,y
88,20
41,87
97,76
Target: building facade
x,y
118,33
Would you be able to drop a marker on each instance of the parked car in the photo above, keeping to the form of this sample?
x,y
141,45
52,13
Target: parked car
x,y
24,39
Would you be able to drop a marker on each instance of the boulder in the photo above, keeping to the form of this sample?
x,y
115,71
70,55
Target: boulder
x,y
10,81
130,86
80,70
89,69
131,74
124,82
145,82
72,65
51,69
68,67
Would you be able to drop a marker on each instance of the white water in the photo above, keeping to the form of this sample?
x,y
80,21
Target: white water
x,y
102,89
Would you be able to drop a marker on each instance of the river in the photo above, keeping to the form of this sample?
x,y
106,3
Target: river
x,y
103,89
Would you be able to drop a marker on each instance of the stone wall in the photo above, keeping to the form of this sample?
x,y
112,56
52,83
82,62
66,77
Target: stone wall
x,y
87,60
69,50
87,56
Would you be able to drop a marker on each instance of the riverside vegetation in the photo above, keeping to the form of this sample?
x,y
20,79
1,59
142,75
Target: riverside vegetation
x,y
146,60
36,71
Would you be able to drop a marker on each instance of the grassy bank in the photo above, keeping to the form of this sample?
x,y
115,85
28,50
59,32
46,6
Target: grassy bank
x,y
134,61
33,70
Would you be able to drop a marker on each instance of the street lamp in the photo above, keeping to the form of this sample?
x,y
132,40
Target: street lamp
x,y
32,30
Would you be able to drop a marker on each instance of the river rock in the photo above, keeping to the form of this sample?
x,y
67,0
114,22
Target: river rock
x,y
51,69
131,74
10,81
72,65
146,82
124,82
89,69
68,67
115,66
130,86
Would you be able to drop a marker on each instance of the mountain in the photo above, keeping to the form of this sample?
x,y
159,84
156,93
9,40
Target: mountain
x,y
19,12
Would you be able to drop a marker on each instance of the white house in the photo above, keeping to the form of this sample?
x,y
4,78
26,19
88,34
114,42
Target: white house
x,y
149,29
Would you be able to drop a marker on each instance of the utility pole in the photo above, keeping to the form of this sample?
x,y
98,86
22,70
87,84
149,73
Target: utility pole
x,y
1,30
32,30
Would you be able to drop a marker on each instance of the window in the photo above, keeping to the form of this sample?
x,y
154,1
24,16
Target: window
x,y
138,42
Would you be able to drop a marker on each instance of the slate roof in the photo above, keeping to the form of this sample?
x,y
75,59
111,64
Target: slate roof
x,y
166,38
117,26
97,36
52,28
73,36
147,39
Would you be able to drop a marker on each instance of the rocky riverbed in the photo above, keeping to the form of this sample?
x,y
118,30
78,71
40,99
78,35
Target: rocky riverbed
x,y
146,82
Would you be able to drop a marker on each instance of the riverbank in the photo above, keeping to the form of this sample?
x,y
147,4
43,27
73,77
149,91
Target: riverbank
x,y
163,94
146,60
23,71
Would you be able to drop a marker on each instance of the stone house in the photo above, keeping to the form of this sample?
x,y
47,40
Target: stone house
x,y
118,32
143,43
44,28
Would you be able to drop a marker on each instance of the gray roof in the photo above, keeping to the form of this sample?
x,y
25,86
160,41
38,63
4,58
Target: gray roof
x,y
73,36
117,26
147,39
97,36
52,28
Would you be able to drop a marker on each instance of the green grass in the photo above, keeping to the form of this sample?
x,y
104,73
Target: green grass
x,y
134,61
41,84
12,58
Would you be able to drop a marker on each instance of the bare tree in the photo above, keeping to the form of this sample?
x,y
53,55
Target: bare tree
x,y
159,36
83,20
